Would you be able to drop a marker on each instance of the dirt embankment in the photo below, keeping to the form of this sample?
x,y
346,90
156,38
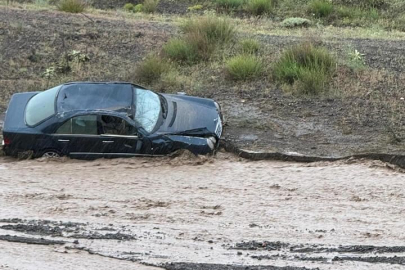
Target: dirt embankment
x,y
260,117
203,213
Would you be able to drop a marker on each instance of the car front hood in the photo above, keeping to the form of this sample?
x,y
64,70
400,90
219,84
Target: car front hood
x,y
190,116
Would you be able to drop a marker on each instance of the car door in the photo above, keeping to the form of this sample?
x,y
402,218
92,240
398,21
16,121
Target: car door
x,y
120,138
80,137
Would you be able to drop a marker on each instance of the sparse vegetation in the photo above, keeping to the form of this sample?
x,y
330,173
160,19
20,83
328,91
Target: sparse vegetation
x,y
150,6
295,22
229,4
71,6
195,8
138,8
151,69
244,67
180,50
216,29
320,8
129,7
259,7
249,46
305,67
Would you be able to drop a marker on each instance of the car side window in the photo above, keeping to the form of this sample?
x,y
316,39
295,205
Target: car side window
x,y
113,125
83,124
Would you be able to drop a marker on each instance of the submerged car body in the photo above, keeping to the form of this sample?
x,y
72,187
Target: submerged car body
x,y
109,119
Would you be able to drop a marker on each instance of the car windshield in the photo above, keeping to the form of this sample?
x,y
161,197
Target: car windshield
x,y
41,106
147,108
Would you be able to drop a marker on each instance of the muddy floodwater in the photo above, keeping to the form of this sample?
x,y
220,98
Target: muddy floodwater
x,y
200,213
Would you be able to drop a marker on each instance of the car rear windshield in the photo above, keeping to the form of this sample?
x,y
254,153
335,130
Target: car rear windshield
x,y
41,106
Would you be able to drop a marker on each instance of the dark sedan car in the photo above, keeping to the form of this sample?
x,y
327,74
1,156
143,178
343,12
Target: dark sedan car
x,y
114,119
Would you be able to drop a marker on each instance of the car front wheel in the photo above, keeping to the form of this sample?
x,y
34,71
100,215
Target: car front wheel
x,y
50,154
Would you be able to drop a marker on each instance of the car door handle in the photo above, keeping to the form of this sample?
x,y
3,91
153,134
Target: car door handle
x,y
60,140
108,141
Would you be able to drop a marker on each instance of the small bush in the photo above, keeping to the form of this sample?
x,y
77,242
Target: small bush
x,y
129,7
151,69
229,4
295,22
71,6
249,46
320,8
181,51
193,47
138,8
216,30
306,67
195,7
244,67
259,7
150,6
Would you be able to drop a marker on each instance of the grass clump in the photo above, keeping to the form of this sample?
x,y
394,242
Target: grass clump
x,y
181,51
150,6
305,67
195,8
244,67
151,69
295,22
320,8
129,7
71,6
215,29
259,7
249,46
229,4
138,8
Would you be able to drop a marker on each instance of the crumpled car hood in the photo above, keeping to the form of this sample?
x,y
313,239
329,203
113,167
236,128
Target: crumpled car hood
x,y
190,116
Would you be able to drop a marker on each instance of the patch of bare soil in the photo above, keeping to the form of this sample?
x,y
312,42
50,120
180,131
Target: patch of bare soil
x,y
224,213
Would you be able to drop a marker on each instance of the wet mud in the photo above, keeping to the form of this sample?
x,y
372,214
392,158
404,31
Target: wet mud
x,y
29,240
220,212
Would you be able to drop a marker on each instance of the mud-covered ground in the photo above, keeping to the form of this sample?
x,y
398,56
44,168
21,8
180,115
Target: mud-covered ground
x,y
200,213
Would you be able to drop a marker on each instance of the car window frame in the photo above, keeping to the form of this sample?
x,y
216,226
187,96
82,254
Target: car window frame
x,y
126,120
71,127
139,129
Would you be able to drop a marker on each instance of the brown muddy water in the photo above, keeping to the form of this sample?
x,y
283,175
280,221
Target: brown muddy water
x,y
200,213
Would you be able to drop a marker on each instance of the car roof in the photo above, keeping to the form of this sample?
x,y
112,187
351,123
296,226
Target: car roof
x,y
104,82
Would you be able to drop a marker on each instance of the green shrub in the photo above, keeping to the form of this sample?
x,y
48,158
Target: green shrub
x,y
229,4
195,7
215,29
320,8
193,47
259,7
306,67
150,6
181,51
244,67
249,46
151,69
71,6
295,22
129,7
138,8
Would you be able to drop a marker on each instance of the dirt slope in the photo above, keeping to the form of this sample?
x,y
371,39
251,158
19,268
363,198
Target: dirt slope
x,y
259,115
